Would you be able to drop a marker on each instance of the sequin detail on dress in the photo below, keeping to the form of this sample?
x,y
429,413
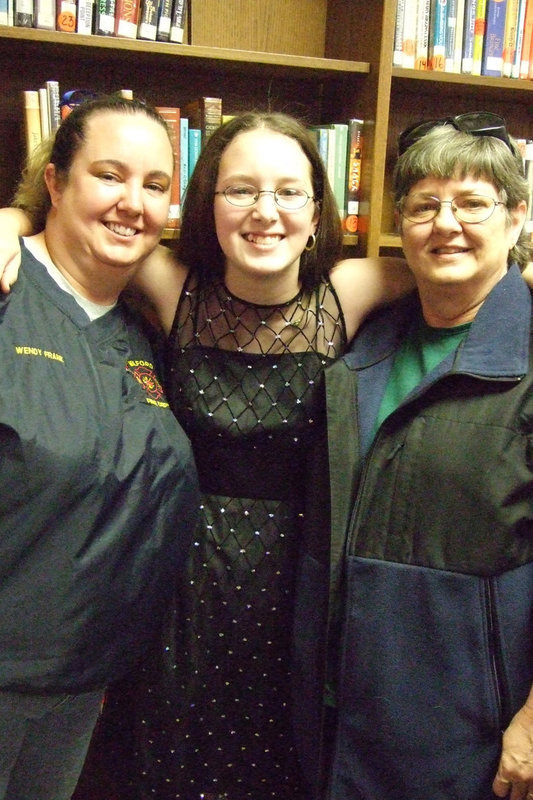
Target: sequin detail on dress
x,y
245,382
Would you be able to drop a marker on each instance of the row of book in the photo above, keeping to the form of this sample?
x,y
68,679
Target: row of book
x,y
475,37
190,127
340,144
155,20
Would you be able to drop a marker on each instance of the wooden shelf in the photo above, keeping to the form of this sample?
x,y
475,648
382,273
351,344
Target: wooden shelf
x,y
222,58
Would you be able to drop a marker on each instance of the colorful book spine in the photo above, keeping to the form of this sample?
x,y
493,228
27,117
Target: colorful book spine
x,y
126,18
195,146
353,173
492,62
397,54
66,16
340,166
172,116
184,155
451,30
104,17
479,36
515,69
148,19
4,13
467,55
164,20
526,46
459,31
409,34
177,26
422,34
204,113
32,120
437,35
85,16
509,38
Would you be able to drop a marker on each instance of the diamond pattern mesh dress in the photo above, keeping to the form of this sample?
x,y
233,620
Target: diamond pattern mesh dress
x,y
244,382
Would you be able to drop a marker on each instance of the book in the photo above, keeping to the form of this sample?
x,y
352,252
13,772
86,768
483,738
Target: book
x,y
422,34
184,155
54,109
515,68
45,14
6,12
492,61
353,174
66,16
320,135
148,17
84,22
195,146
459,31
437,35
528,171
526,46
104,17
23,13
177,26
126,18
479,36
451,29
337,163
172,116
204,113
467,53
164,19
397,54
509,38
32,120
44,112
409,34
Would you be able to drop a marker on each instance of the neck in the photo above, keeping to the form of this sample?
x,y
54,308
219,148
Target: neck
x,y
454,304
98,282
265,290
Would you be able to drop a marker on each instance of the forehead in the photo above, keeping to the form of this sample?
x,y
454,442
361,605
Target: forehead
x,y
450,186
131,138
264,153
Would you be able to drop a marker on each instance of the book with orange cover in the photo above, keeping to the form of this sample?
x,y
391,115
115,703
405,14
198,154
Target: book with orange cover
x,y
172,116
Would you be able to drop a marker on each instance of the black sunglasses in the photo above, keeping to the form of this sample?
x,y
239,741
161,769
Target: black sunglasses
x,y
478,123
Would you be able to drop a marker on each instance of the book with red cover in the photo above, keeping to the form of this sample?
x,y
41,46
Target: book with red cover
x,y
172,116
126,18
353,174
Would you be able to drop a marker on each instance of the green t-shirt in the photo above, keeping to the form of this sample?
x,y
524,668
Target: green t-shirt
x,y
421,352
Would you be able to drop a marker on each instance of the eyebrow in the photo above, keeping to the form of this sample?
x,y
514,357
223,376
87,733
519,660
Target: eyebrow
x,y
155,173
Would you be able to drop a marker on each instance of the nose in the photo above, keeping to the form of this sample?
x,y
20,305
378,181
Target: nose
x,y
131,198
445,217
265,206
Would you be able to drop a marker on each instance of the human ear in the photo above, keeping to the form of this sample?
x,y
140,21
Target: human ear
x,y
52,184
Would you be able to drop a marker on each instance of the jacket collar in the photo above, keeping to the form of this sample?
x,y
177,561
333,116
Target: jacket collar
x,y
497,344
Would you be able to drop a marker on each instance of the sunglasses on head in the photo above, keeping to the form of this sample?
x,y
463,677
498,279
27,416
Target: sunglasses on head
x,y
477,123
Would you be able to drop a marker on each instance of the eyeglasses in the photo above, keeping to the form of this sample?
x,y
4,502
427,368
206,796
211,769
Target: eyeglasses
x,y
477,123
288,198
471,208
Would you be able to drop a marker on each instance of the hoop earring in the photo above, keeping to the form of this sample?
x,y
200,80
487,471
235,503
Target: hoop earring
x,y
311,242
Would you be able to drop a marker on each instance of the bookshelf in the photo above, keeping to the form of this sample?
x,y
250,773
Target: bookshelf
x,y
316,59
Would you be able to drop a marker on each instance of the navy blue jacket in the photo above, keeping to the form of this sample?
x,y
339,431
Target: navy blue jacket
x,y
437,606
99,491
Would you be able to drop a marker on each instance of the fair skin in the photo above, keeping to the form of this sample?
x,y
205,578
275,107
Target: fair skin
x,y
456,265
263,243
109,213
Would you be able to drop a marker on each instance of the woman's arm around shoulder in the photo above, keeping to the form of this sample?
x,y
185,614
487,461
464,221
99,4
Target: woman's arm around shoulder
x,y
14,222
160,278
364,284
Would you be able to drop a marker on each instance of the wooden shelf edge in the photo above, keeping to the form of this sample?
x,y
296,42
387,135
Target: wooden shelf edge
x,y
390,240
318,65
463,79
